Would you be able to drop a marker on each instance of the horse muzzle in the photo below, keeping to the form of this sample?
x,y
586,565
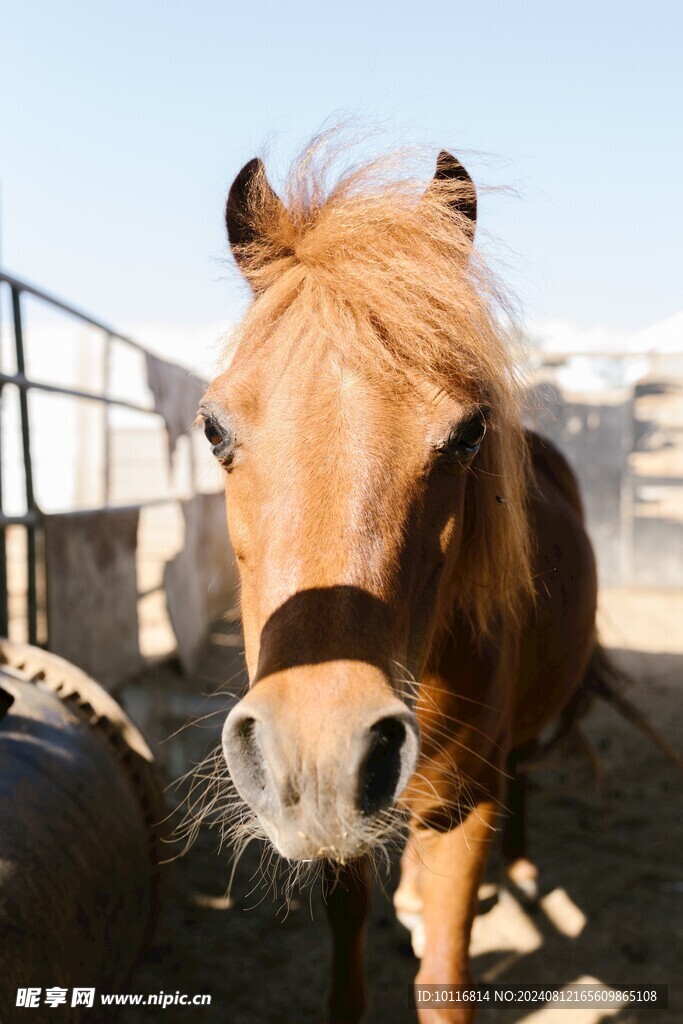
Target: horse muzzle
x,y
322,775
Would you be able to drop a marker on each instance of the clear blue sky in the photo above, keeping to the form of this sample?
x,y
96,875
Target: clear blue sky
x,y
123,124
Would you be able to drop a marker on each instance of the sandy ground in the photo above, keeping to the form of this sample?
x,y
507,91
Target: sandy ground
x,y
612,880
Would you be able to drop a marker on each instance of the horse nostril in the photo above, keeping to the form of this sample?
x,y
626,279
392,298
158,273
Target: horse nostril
x,y
382,767
244,737
243,756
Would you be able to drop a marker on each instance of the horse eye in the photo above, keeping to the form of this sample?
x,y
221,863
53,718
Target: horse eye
x,y
212,433
464,441
221,439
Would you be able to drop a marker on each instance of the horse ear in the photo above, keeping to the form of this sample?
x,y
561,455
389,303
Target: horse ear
x,y
251,201
463,199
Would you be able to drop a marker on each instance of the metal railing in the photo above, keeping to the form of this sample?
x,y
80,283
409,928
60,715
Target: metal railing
x,y
33,517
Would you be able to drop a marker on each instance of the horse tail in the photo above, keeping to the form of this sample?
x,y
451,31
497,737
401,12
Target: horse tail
x,y
605,680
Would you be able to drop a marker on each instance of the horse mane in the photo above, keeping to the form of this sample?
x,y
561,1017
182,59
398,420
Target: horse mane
x,y
387,273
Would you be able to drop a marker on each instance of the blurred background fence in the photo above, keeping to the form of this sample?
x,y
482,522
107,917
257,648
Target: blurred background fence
x,y
112,536
619,419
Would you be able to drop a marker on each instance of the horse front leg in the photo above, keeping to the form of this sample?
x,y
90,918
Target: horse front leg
x,y
453,863
520,872
347,901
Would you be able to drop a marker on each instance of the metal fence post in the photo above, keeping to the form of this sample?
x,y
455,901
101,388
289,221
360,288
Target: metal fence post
x,y
4,595
106,419
32,602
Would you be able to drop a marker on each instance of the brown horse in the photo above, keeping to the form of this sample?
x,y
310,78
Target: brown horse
x,y
418,589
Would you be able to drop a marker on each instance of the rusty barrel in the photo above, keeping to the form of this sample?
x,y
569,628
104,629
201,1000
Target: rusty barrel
x,y
80,813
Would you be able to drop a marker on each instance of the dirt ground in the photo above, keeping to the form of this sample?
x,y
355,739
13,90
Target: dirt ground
x,y
612,879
